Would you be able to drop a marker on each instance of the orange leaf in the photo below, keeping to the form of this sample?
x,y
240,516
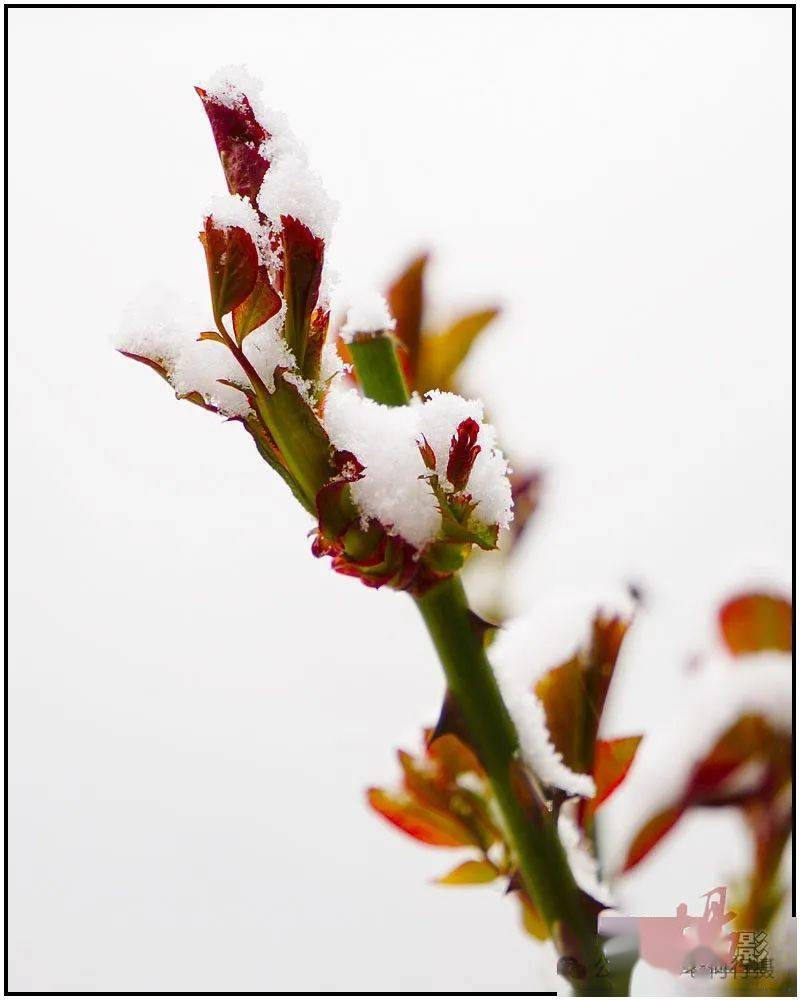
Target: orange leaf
x,y
573,694
562,692
405,298
612,761
423,782
650,834
470,873
441,354
754,622
428,825
453,755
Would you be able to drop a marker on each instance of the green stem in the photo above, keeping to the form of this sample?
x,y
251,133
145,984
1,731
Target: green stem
x,y
530,824
292,424
379,370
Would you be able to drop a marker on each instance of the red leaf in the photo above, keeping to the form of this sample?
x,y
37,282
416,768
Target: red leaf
x,y
261,304
425,824
753,622
238,136
463,452
232,262
303,255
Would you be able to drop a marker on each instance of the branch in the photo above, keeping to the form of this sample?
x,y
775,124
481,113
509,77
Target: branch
x,y
530,824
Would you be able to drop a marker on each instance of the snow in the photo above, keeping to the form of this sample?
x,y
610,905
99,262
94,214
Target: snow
x,y
200,365
582,861
291,188
439,416
154,327
331,364
528,648
266,350
231,210
385,441
163,329
369,314
228,85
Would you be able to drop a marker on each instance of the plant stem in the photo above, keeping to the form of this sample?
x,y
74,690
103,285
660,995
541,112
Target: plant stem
x,y
294,427
379,370
530,824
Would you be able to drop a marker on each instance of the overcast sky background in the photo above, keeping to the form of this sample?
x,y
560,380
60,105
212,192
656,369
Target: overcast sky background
x,y
196,703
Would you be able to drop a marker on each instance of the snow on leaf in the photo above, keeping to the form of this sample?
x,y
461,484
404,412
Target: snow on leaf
x,y
239,137
554,666
385,441
368,315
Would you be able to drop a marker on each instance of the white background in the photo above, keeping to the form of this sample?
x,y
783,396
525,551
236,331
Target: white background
x,y
196,703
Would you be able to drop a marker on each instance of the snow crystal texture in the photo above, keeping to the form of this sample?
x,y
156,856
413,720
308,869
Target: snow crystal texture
x,y
370,314
385,440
